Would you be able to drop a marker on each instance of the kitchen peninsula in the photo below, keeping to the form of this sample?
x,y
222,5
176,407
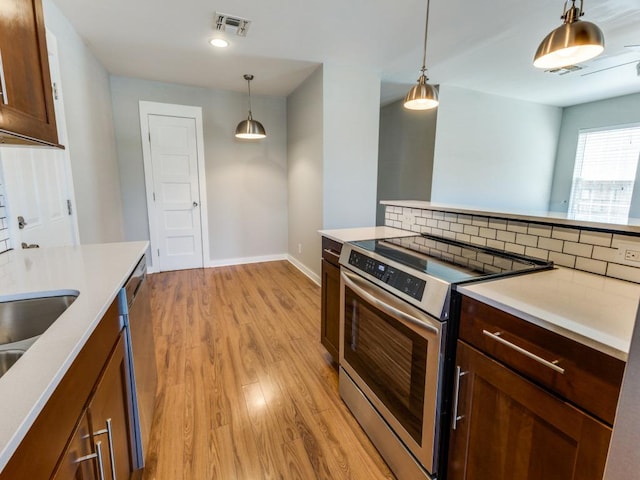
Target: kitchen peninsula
x,y
95,273
576,320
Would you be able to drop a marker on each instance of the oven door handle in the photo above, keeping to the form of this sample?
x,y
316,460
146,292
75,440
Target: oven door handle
x,y
373,295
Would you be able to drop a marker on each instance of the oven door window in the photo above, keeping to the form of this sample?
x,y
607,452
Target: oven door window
x,y
390,358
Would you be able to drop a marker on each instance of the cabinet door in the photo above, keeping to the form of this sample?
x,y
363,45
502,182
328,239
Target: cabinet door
x,y
80,461
108,414
509,428
330,311
26,103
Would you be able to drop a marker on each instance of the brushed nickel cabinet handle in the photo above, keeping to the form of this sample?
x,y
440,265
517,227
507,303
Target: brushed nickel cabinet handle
x,y
112,458
456,398
333,253
97,456
3,84
496,336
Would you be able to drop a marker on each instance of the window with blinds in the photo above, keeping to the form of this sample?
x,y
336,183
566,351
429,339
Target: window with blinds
x,y
604,174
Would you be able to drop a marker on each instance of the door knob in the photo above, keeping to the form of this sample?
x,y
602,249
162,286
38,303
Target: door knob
x,y
21,222
195,204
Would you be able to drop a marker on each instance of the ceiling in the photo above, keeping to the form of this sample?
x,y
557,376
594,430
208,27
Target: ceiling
x,y
484,45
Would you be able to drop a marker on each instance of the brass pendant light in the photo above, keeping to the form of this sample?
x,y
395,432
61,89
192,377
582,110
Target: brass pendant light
x,y
250,129
422,96
573,42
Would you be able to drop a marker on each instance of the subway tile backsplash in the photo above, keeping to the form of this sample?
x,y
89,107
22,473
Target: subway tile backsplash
x,y
580,249
4,222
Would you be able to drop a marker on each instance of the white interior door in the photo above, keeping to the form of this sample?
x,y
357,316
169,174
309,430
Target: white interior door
x,y
176,192
37,197
39,187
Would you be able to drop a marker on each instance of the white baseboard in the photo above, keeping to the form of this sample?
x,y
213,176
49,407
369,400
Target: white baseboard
x,y
304,269
264,258
243,260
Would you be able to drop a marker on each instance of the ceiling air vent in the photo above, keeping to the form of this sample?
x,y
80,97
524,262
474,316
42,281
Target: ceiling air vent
x,y
564,70
231,24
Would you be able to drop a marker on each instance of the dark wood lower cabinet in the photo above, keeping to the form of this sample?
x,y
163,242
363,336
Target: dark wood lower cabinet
x,y
91,399
79,461
330,325
108,415
330,306
100,442
510,428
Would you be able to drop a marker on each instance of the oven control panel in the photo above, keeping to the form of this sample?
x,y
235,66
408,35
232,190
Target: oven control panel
x,y
398,279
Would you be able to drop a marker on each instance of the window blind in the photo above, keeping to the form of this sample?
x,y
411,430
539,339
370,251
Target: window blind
x,y
604,174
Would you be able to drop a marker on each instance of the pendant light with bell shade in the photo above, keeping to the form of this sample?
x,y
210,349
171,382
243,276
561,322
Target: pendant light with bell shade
x,y
422,96
573,42
250,129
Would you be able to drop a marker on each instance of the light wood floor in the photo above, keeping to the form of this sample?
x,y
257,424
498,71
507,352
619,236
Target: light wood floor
x,y
246,391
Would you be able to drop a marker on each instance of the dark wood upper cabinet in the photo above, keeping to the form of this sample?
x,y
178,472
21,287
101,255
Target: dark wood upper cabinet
x,y
26,102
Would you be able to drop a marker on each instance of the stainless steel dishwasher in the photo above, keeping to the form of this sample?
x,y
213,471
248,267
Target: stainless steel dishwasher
x,y
135,308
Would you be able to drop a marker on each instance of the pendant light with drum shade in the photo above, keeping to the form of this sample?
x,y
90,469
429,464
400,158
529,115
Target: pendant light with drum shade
x,y
250,129
573,42
422,96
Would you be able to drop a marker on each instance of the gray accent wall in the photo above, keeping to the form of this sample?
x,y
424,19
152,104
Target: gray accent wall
x,y
305,177
351,115
90,131
405,154
494,152
246,180
613,111
332,157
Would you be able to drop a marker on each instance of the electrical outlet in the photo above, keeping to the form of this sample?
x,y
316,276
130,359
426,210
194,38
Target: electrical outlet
x,y
628,254
633,255
299,248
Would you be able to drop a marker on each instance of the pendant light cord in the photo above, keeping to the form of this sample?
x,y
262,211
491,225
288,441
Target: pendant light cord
x,y
249,88
424,51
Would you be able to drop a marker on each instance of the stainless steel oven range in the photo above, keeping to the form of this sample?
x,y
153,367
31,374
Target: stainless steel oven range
x,y
398,328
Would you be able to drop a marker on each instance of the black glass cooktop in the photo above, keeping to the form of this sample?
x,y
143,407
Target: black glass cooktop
x,y
451,261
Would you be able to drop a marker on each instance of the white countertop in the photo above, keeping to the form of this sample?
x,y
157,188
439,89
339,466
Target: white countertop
x,y
553,218
97,272
343,235
594,310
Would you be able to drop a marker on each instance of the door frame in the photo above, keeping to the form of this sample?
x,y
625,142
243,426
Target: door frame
x,y
61,122
183,111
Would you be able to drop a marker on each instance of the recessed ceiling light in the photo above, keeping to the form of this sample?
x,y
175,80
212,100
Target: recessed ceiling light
x,y
219,42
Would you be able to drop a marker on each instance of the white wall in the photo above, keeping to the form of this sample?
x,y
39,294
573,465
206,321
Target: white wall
x,y
351,106
91,141
494,152
605,113
405,158
305,165
246,181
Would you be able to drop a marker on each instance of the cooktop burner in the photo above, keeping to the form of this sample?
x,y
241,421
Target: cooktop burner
x,y
423,269
452,261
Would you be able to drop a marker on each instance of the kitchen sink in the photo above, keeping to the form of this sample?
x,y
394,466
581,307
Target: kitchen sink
x,y
8,358
27,318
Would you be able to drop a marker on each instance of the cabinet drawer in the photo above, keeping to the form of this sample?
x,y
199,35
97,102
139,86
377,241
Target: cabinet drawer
x,y
586,377
331,251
